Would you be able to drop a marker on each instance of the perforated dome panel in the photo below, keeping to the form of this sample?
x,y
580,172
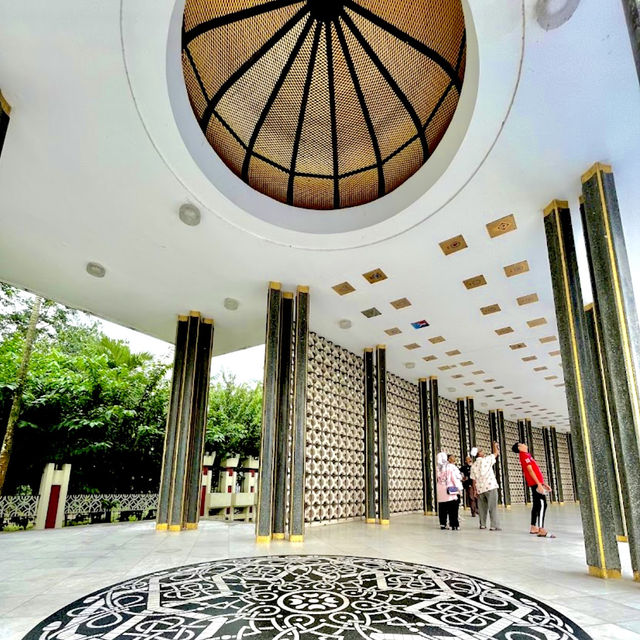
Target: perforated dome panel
x,y
323,104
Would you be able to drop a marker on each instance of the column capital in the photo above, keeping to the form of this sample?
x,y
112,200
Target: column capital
x,y
594,169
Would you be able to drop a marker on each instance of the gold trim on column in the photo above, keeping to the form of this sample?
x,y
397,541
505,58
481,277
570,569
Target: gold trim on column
x,y
162,527
296,538
278,536
370,520
207,320
636,576
384,521
191,526
581,399
275,285
381,346
263,539
194,314
288,295
605,574
303,288
594,170
183,318
622,538
554,205
4,105
617,291
175,527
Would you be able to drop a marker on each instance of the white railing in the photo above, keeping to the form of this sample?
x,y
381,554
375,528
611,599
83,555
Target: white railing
x,y
18,507
101,502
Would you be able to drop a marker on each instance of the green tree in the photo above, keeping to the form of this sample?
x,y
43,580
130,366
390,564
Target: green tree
x,y
235,417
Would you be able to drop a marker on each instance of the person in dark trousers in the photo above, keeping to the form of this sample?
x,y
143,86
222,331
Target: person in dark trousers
x,y
469,489
449,489
537,487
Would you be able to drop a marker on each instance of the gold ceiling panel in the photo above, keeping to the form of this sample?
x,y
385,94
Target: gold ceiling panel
x,y
528,299
343,288
492,308
377,275
475,282
401,303
501,226
452,245
436,340
454,352
517,345
371,313
394,331
547,339
554,353
458,375
540,368
516,268
430,358
551,377
477,373
504,331
529,358
466,363
413,345
537,322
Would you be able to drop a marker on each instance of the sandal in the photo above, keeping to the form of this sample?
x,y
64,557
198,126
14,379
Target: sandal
x,y
546,534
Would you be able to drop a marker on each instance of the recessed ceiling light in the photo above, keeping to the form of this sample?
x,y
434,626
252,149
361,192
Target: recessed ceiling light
x,y
189,214
451,389
344,324
96,270
231,304
410,365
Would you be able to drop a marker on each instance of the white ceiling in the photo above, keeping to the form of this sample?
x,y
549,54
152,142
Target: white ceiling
x,y
94,168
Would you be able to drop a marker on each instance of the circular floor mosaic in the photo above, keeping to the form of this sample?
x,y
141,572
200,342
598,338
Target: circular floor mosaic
x,y
306,598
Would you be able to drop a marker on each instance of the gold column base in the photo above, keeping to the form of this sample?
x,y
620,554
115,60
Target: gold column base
x,y
162,527
370,520
605,574
429,513
175,527
384,521
278,536
636,576
263,539
561,504
191,526
508,507
622,538
296,538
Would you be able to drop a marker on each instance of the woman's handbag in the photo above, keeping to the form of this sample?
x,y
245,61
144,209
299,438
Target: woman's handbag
x,y
452,490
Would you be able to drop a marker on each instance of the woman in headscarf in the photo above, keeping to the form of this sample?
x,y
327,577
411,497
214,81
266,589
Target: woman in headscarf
x,y
449,490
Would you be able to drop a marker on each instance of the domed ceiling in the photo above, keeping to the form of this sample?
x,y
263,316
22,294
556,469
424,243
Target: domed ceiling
x,y
324,104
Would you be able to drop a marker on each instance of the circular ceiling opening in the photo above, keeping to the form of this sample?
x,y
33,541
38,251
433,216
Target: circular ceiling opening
x,y
322,104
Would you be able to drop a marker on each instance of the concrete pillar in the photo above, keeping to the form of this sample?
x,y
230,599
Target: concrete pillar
x,y
299,441
54,486
620,335
588,424
428,503
383,447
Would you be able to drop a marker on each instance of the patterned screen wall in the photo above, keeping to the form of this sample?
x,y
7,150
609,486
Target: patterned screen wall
x,y
513,464
565,467
449,433
403,428
335,433
483,436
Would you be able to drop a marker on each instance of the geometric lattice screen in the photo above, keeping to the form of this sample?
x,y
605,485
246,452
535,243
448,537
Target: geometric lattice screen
x,y
323,104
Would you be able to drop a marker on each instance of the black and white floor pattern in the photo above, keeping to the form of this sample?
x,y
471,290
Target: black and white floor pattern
x,y
306,598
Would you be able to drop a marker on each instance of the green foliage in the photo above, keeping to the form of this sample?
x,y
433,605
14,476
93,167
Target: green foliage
x,y
92,402
235,418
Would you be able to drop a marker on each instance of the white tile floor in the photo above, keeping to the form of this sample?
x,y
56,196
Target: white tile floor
x,y
41,571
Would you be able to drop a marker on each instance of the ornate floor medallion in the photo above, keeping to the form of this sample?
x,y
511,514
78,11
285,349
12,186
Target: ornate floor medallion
x,y
306,598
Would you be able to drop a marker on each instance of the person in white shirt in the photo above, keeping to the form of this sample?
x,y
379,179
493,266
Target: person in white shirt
x,y
484,480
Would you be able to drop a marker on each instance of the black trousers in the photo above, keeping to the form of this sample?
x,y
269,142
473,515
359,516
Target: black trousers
x,y
538,508
449,510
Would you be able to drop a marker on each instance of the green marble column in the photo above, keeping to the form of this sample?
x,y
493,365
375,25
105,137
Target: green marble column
x,y
471,422
370,438
632,14
620,335
588,427
522,437
199,422
529,431
167,477
282,417
425,442
264,518
383,447
550,471
503,460
298,444
436,441
603,382
493,437
572,464
462,429
556,463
